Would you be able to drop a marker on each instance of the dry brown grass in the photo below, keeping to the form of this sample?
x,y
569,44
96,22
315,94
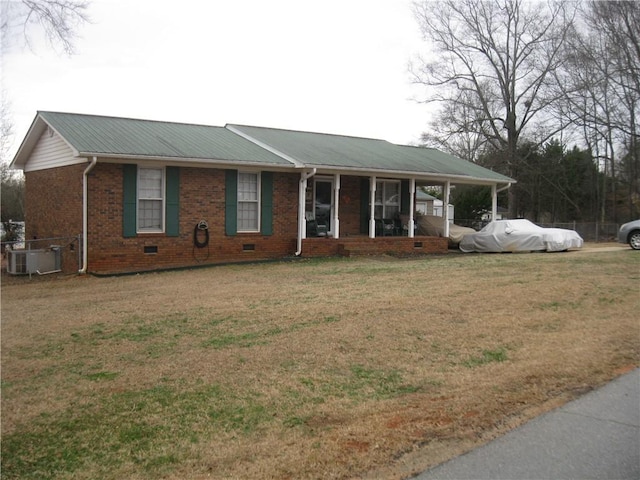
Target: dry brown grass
x,y
340,368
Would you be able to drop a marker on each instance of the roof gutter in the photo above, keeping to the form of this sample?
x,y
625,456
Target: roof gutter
x,y
85,215
302,188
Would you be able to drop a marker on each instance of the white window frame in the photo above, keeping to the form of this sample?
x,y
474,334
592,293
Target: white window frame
x,y
162,200
257,202
381,186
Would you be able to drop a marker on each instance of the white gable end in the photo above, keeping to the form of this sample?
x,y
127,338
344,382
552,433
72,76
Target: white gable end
x,y
51,151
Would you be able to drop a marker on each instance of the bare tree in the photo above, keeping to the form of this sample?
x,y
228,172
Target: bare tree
x,y
600,87
454,129
6,127
57,19
492,61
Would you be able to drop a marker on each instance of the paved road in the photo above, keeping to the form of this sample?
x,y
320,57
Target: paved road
x,y
594,437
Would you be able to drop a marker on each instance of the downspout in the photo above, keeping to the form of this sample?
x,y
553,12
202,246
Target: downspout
x,y
506,187
302,188
85,215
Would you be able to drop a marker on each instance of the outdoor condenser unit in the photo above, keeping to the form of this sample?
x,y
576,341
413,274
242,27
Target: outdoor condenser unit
x,y
40,261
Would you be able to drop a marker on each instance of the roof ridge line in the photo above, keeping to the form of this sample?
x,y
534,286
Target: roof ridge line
x,y
360,137
114,117
269,148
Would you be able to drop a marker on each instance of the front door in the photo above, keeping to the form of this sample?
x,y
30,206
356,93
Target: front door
x,y
322,201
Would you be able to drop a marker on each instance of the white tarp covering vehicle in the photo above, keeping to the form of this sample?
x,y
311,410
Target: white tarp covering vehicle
x,y
520,236
434,226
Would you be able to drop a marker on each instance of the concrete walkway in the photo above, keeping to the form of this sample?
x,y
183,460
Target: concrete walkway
x,y
594,437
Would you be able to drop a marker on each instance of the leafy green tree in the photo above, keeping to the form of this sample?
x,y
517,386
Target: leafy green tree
x,y
471,202
11,195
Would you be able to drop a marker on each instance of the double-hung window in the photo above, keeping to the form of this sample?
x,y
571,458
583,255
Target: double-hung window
x,y
150,199
248,202
387,199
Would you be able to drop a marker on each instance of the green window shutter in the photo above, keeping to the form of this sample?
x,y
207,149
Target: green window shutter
x,y
231,202
172,202
364,205
266,201
404,197
129,207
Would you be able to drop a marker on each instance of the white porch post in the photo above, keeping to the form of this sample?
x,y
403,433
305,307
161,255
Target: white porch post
x,y
494,202
445,207
372,202
302,220
336,206
412,196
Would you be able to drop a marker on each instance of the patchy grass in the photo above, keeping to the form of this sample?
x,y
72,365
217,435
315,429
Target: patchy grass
x,y
487,356
334,368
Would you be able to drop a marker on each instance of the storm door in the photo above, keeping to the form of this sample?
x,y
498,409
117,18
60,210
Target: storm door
x,y
322,201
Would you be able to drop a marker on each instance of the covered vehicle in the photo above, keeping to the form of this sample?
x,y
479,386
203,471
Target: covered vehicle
x,y
630,233
520,236
433,226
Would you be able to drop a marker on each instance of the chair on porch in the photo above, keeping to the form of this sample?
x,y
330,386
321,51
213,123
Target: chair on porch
x,y
315,228
391,227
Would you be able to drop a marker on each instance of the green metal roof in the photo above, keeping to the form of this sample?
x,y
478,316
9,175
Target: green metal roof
x,y
93,135
342,152
111,136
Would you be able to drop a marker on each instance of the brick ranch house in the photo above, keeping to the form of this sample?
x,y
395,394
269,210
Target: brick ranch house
x,y
147,195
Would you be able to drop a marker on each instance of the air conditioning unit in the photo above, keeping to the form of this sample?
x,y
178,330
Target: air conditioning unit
x,y
40,261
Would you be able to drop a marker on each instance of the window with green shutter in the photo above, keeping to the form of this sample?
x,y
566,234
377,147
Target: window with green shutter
x,y
266,208
151,200
231,202
172,202
248,202
130,200
404,197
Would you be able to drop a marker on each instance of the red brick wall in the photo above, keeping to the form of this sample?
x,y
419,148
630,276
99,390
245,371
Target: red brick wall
x,y
362,245
53,209
201,198
349,207
53,202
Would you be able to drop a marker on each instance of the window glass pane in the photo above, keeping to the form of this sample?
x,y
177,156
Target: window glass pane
x,y
392,193
150,183
387,199
391,211
150,214
247,187
247,216
150,201
248,204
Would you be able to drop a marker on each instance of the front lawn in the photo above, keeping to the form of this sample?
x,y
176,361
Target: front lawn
x,y
337,368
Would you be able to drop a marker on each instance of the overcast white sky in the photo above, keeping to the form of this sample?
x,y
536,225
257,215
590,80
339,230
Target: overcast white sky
x,y
335,66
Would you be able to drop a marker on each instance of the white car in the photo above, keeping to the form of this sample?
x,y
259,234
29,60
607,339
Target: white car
x,y
520,236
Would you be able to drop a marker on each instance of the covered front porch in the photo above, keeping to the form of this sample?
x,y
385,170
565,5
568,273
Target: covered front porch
x,y
349,215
